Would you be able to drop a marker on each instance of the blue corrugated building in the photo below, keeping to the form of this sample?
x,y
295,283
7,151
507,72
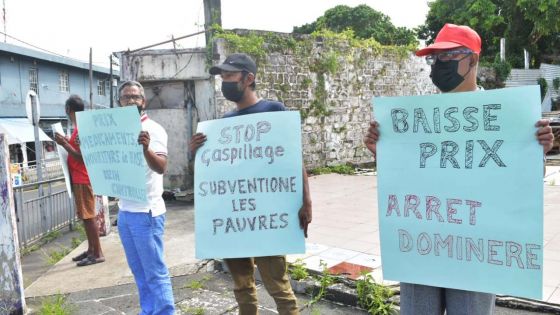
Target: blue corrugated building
x,y
54,78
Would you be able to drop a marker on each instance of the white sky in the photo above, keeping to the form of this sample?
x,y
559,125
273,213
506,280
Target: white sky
x,y
71,27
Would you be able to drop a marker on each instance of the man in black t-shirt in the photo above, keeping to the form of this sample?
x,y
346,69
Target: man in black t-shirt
x,y
238,85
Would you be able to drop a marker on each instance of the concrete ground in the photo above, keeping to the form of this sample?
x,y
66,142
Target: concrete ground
x,y
344,228
179,255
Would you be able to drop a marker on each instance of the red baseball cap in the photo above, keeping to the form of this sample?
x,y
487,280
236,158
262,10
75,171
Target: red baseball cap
x,y
453,36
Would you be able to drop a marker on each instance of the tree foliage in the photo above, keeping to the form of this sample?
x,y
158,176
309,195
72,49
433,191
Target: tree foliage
x,y
526,24
364,21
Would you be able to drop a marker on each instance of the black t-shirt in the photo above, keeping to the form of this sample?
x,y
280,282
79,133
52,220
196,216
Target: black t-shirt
x,y
261,106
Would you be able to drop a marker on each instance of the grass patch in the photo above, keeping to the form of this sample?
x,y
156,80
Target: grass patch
x,y
30,249
197,284
192,310
338,169
51,236
55,305
55,256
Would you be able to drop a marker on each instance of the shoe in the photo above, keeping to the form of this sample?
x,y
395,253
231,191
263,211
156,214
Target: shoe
x,y
90,260
80,257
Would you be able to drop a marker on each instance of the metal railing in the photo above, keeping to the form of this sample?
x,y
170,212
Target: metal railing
x,y
42,207
51,168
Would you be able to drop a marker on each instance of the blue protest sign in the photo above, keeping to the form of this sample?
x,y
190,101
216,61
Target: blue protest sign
x,y
248,186
460,190
114,159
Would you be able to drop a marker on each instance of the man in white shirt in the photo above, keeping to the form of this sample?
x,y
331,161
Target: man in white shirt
x,y
141,225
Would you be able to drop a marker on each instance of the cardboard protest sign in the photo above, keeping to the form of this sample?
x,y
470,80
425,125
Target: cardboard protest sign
x,y
114,159
460,190
248,186
63,157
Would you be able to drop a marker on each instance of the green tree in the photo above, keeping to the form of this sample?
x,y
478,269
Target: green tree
x,y
364,21
484,16
526,24
543,15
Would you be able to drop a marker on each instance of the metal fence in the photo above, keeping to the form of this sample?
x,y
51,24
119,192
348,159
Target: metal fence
x,y
42,207
51,169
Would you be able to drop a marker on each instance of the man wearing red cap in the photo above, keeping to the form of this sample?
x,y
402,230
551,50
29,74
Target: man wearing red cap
x,y
454,59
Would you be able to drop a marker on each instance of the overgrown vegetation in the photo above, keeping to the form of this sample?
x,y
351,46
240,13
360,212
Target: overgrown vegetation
x,y
56,255
338,169
55,305
336,48
298,271
373,297
52,235
326,279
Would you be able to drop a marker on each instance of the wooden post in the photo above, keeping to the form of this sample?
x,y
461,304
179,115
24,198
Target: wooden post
x,y
12,300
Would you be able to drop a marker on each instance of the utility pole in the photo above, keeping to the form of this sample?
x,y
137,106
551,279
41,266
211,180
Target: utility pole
x,y
90,80
111,80
212,15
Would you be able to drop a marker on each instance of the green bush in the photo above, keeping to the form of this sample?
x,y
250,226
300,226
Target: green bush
x,y
373,297
544,87
298,270
502,69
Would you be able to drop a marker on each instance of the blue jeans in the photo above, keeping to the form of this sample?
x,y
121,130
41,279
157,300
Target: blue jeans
x,y
426,300
142,239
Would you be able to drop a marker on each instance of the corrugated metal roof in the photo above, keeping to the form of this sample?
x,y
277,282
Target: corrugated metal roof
x,y
23,51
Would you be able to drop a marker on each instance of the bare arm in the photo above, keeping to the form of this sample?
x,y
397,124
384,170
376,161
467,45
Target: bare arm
x,y
156,162
545,137
305,212
371,137
62,141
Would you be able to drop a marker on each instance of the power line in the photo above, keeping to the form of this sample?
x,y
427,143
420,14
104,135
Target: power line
x,y
37,47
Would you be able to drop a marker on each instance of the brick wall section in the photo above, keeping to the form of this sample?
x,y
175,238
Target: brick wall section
x,y
336,137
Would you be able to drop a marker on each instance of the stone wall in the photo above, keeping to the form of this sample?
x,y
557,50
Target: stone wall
x,y
336,106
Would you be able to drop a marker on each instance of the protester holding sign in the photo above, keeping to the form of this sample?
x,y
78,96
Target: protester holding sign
x,y
238,74
454,60
141,225
81,187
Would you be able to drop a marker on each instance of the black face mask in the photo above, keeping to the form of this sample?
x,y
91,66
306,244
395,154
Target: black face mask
x,y
445,76
231,91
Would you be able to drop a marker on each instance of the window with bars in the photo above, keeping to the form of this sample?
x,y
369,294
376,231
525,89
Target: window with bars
x,y
101,87
33,80
64,81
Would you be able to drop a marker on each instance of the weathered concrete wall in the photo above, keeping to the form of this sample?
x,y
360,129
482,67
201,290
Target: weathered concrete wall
x,y
178,94
176,124
336,107
12,300
166,64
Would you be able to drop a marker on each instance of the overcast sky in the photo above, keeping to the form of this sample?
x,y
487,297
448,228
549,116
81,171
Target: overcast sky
x,y
71,27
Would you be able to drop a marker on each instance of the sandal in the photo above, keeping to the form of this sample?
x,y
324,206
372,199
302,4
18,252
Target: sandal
x,y
80,257
90,260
